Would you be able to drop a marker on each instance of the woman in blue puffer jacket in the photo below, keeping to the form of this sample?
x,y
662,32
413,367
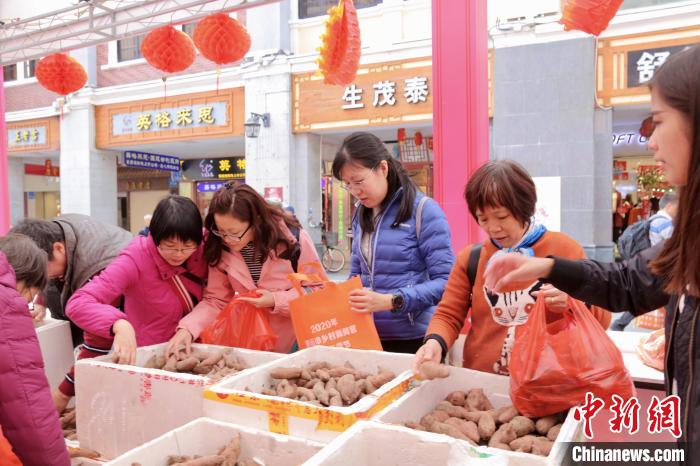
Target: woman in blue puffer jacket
x,y
402,247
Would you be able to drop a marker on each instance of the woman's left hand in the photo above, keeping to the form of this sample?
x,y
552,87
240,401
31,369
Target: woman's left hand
x,y
555,300
265,299
366,300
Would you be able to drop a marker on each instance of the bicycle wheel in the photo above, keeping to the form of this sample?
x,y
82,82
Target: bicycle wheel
x,y
333,260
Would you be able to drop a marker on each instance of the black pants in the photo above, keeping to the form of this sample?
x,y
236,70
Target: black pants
x,y
402,346
623,321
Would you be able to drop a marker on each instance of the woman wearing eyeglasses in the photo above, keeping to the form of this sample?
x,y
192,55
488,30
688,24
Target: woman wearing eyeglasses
x,y
157,280
401,246
252,246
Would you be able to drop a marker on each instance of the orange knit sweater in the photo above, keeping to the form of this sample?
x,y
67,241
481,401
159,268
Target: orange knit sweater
x,y
494,317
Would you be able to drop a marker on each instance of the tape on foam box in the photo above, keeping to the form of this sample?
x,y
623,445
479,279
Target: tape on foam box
x,y
206,437
422,400
119,407
239,400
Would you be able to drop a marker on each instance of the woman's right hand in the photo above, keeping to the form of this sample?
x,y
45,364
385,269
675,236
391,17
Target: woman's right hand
x,y
181,337
511,270
430,351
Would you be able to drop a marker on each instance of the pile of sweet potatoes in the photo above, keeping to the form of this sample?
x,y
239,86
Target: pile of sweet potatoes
x,y
227,456
322,384
213,365
471,417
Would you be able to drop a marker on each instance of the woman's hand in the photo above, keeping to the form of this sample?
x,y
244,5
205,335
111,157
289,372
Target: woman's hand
x,y
511,270
366,300
555,300
124,347
265,299
430,351
181,337
38,313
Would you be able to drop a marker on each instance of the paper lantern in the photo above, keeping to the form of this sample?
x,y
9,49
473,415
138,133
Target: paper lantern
x,y
221,39
591,16
60,73
647,127
340,50
418,138
168,49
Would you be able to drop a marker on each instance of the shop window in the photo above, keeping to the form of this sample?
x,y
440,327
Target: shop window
x,y
189,28
29,69
311,8
9,72
129,48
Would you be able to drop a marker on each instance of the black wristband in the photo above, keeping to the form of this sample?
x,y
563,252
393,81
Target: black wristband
x,y
441,341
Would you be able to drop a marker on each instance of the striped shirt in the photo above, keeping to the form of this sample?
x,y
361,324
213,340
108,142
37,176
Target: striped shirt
x,y
254,263
660,227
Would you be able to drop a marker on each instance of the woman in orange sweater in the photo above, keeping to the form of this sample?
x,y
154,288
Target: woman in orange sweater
x,y
501,197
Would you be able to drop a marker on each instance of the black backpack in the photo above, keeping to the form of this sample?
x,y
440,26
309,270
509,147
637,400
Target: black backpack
x,y
292,255
472,265
635,239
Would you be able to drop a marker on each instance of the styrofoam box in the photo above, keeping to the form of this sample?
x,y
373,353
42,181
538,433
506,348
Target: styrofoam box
x,y
56,345
373,444
232,400
419,402
120,407
206,437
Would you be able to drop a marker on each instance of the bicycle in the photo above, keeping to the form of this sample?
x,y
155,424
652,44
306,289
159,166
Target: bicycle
x,y
332,258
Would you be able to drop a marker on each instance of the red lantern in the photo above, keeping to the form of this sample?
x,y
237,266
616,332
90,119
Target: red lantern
x,y
401,134
591,16
60,73
418,138
340,50
221,38
647,127
168,49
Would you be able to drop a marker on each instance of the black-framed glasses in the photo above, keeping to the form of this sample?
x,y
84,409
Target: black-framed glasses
x,y
230,237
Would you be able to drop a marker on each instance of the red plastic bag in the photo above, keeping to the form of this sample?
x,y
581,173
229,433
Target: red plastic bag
x,y
554,365
242,325
7,456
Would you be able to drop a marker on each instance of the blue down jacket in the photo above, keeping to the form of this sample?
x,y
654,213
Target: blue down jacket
x,y
401,262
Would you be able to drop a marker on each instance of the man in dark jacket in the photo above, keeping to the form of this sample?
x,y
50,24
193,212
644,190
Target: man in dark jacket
x,y
78,248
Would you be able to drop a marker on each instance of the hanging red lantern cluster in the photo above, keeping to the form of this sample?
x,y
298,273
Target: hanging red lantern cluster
x,y
340,50
647,127
221,39
168,49
60,73
591,16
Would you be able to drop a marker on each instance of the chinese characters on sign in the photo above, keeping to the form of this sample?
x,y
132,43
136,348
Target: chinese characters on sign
x,y
18,137
229,168
189,116
415,91
151,161
210,186
327,332
661,415
642,64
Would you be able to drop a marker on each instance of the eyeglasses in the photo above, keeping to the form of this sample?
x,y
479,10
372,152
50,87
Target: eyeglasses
x,y
172,251
356,185
231,237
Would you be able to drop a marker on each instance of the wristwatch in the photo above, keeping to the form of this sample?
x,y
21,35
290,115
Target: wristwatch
x,y
396,302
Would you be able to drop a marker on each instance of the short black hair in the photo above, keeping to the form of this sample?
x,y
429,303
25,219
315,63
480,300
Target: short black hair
x,y
43,232
26,258
176,217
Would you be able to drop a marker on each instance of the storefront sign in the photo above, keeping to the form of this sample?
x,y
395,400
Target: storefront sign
x,y
26,136
210,186
165,119
630,138
641,64
152,161
229,168
274,194
48,169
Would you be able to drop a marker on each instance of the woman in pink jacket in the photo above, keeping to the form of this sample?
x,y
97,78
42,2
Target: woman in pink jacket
x,y
27,414
251,246
159,279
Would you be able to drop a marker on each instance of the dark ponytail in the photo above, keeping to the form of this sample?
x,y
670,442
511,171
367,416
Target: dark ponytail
x,y
369,151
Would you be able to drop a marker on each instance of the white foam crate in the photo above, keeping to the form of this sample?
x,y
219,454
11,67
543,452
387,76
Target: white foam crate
x,y
369,443
120,407
423,399
56,345
206,437
238,399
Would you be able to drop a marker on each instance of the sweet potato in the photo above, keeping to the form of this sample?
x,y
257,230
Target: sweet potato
x,y
508,414
331,384
473,416
213,358
414,426
187,364
311,383
321,394
381,378
323,374
171,364
487,426
554,432
522,425
314,366
477,401
285,373
457,398
348,389
307,392
336,401
502,446
201,369
429,370
246,462
369,387
286,390
441,416
504,435
452,410
175,459
151,363
211,460
542,446
232,451
340,371
543,424
305,374
452,431
428,420
468,428
523,444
